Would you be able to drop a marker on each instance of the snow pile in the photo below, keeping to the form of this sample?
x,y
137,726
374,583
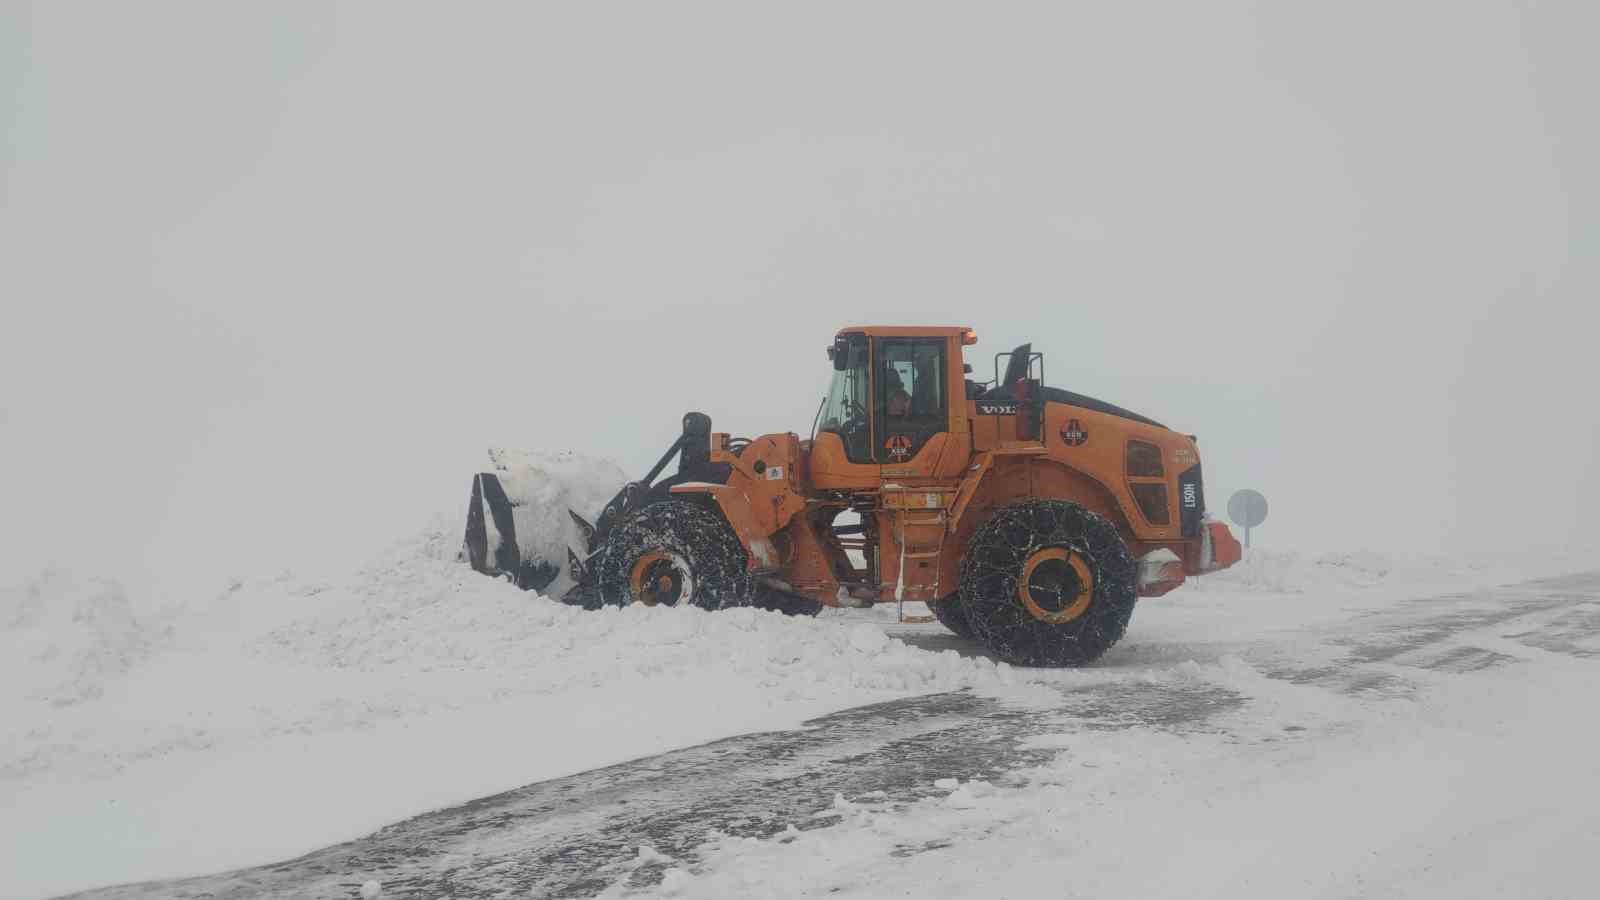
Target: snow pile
x,y
64,639
417,610
330,709
1293,573
1289,572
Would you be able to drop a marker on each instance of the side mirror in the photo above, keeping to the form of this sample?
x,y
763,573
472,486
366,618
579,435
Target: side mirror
x,y
840,354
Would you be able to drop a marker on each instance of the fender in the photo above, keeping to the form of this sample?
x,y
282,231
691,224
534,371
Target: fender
x,y
741,514
995,477
1017,473
1007,474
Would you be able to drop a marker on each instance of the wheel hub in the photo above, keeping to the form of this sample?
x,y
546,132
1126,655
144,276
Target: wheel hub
x,y
660,578
1056,586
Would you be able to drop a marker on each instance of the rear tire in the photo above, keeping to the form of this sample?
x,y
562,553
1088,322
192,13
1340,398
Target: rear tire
x,y
674,553
1048,583
951,615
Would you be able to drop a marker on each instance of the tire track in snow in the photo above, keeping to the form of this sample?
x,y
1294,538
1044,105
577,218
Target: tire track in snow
x,y
565,837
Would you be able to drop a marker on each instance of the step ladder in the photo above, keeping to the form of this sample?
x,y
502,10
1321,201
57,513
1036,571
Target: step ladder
x,y
922,533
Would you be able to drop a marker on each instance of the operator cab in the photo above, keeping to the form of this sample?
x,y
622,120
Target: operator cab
x,y
890,393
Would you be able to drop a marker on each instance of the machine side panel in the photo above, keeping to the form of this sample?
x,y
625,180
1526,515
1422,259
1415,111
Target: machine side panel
x,y
1096,444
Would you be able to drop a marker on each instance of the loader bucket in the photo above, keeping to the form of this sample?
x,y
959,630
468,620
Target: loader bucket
x,y
539,510
491,538
528,516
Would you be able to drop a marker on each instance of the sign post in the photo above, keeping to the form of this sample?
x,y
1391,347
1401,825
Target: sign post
x,y
1247,509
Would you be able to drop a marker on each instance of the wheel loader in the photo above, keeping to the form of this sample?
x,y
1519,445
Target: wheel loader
x,y
1027,517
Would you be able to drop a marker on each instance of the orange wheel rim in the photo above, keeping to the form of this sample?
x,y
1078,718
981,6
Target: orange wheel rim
x,y
1056,585
659,577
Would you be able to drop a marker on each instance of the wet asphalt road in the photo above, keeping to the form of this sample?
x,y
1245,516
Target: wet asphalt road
x,y
571,837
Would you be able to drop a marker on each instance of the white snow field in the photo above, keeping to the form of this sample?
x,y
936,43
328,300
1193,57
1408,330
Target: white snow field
x,y
1462,766
278,715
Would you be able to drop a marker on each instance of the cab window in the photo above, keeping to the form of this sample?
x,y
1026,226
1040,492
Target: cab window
x,y
910,402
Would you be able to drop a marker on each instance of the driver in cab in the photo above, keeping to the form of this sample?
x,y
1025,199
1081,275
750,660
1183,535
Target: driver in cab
x,y
899,403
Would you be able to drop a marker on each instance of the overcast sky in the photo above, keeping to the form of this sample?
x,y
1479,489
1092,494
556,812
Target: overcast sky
x,y
273,276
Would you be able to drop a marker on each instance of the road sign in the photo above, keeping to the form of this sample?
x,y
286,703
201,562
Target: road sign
x,y
1247,509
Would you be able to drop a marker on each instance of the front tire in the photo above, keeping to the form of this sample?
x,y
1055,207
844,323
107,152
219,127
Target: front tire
x,y
674,553
1048,583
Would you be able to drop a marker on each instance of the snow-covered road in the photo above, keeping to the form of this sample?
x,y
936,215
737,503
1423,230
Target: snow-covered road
x,y
1440,746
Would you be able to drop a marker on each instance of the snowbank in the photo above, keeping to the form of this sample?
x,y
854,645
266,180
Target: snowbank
x,y
297,714
1289,572
65,639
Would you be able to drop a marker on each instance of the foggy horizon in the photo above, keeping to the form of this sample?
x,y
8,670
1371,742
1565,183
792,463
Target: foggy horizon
x,y
275,277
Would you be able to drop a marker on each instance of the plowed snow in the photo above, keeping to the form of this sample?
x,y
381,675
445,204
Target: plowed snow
x,y
280,715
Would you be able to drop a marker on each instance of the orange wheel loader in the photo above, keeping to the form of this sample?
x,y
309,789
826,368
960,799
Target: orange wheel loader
x,y
1027,517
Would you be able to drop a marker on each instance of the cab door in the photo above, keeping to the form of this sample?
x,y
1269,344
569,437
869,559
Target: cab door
x,y
911,403
912,423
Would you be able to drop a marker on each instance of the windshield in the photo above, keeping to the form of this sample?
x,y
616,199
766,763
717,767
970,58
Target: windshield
x,y
844,412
